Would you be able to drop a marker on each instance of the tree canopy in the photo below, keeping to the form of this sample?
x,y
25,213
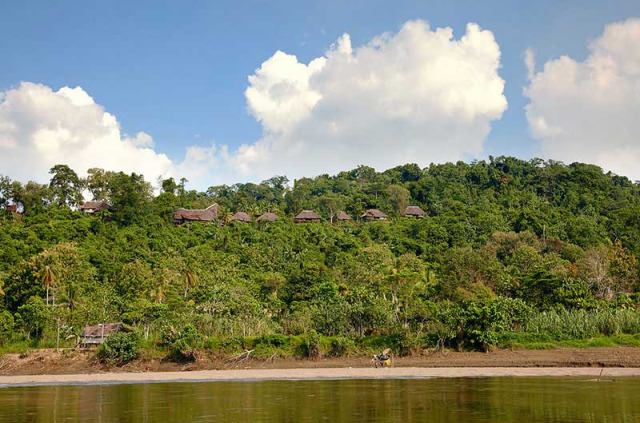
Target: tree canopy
x,y
501,239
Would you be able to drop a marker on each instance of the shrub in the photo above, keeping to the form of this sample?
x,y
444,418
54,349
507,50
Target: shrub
x,y
341,346
481,322
182,343
276,340
312,344
404,344
6,326
119,348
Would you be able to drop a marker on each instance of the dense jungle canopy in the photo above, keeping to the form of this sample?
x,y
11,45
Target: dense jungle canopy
x,y
504,243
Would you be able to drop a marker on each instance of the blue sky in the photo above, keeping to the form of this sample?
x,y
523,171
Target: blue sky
x,y
178,70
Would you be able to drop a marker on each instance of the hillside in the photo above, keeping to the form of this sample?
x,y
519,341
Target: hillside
x,y
509,251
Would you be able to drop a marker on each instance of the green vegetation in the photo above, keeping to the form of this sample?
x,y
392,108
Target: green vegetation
x,y
119,348
510,253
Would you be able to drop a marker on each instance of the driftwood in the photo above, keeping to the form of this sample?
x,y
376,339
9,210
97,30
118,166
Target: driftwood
x,y
240,358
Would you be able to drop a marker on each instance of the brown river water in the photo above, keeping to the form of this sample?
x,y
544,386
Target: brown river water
x,y
366,400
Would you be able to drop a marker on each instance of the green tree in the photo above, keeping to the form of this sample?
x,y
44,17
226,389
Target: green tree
x,y
65,185
97,182
34,316
130,196
399,197
48,280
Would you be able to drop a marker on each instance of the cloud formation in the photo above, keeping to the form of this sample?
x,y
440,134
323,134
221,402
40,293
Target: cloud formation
x,y
588,111
40,128
415,96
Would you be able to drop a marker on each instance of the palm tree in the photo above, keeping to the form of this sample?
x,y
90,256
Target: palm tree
x,y
190,281
160,294
71,298
48,280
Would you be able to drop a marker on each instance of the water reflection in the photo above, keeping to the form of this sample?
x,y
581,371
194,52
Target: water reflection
x,y
435,400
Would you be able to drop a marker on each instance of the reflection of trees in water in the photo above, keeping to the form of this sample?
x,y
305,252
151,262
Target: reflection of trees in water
x,y
435,400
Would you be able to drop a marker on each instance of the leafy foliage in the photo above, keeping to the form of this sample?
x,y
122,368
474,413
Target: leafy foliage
x,y
119,348
504,243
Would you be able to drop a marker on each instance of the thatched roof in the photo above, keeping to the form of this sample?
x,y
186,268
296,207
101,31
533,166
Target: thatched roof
x,y
195,215
374,214
241,217
413,211
109,329
307,216
268,217
94,206
343,216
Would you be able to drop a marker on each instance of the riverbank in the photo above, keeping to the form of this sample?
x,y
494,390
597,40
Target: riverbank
x,y
75,362
317,373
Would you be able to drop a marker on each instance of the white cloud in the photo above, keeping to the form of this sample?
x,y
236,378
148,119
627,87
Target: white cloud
x,y
40,128
415,96
530,62
279,95
588,111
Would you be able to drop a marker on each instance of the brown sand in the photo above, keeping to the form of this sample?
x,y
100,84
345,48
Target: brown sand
x,y
48,366
331,373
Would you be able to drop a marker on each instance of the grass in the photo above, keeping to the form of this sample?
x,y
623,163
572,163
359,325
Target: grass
x,y
533,341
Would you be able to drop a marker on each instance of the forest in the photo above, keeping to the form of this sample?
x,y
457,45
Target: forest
x,y
510,253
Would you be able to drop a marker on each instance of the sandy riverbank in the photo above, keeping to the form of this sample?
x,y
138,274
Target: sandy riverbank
x,y
50,362
330,373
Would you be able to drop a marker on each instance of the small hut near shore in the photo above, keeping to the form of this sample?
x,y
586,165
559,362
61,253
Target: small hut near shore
x,y
196,215
307,216
414,212
95,335
240,217
91,207
343,217
373,214
268,217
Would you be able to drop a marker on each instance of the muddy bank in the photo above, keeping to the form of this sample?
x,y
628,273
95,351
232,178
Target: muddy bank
x,y
49,362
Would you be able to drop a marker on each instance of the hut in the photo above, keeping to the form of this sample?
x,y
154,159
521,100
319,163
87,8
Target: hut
x,y
91,207
240,217
307,216
268,217
94,335
196,215
414,212
373,214
343,217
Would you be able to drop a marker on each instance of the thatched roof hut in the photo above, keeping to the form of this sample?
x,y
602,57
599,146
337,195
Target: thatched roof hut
x,y
240,217
268,217
374,214
92,207
93,335
414,212
196,215
307,216
343,217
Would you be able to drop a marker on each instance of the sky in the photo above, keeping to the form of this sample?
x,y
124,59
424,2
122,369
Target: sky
x,y
233,91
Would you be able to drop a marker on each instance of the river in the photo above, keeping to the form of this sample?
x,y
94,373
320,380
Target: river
x,y
379,400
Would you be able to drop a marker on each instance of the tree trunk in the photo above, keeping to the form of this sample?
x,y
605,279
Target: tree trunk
x,y
58,335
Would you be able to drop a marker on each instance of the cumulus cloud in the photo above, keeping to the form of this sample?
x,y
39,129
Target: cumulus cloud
x,y
588,110
418,95
40,128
